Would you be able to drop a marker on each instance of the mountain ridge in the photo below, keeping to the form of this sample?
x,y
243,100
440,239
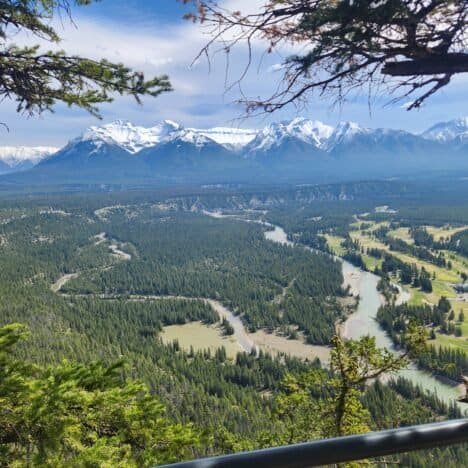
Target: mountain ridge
x,y
300,149
16,158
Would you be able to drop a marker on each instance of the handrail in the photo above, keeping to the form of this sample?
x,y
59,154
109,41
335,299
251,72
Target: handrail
x,y
341,449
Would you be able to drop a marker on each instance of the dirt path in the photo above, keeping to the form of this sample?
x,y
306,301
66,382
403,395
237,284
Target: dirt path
x,y
240,333
119,253
99,239
62,281
114,246
246,341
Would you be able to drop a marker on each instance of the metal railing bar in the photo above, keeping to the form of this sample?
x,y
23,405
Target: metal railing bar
x,y
341,449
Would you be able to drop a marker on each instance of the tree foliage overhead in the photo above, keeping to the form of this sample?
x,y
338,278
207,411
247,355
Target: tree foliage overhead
x,y
38,79
411,47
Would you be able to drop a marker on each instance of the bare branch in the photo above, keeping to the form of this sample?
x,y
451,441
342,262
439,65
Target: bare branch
x,y
348,44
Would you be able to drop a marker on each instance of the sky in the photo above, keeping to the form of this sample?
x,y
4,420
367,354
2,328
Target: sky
x,y
151,36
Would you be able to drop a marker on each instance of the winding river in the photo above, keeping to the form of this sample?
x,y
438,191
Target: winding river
x,y
363,322
359,324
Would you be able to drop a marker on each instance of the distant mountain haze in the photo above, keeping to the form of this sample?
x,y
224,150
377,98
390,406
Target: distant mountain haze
x,y
19,158
297,150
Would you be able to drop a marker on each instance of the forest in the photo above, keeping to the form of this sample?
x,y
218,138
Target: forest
x,y
103,313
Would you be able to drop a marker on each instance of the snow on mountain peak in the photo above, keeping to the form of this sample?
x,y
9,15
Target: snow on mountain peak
x,y
309,131
133,138
231,138
191,136
130,137
14,156
448,131
344,132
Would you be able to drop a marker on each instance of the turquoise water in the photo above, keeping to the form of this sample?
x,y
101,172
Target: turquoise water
x,y
363,321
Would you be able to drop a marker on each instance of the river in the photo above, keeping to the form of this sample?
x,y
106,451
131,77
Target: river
x,y
363,321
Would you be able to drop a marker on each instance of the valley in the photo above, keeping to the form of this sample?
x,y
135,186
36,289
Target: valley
x,y
233,233
213,299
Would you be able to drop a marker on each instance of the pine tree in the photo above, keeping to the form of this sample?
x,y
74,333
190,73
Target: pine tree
x,y
38,79
81,415
339,410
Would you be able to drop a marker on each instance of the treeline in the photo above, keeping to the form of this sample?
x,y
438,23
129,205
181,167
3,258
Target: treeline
x,y
408,274
396,319
449,362
419,251
459,242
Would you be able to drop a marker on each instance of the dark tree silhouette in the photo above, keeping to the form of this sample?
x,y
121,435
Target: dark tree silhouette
x,y
38,79
411,47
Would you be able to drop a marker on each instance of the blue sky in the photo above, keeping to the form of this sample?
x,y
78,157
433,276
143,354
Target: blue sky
x,y
151,36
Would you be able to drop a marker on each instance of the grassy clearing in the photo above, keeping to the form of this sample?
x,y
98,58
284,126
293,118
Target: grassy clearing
x,y
451,341
369,226
444,277
459,263
454,341
334,243
444,231
200,337
403,234
371,262
275,344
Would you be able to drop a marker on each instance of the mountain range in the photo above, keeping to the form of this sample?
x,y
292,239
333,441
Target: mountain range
x,y
20,158
297,150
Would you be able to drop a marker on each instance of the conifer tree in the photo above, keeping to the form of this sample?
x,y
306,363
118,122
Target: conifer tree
x,y
37,79
81,415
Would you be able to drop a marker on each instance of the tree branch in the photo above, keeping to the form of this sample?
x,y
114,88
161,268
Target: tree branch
x,y
447,64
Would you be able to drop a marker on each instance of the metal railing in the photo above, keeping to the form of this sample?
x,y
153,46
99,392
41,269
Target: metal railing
x,y
342,449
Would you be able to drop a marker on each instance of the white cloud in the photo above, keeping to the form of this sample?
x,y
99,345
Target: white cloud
x,y
199,99
244,6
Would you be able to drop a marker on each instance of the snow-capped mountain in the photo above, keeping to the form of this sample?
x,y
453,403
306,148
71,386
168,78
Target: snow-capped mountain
x,y
448,131
231,138
134,138
344,133
300,149
350,137
310,132
130,137
16,158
